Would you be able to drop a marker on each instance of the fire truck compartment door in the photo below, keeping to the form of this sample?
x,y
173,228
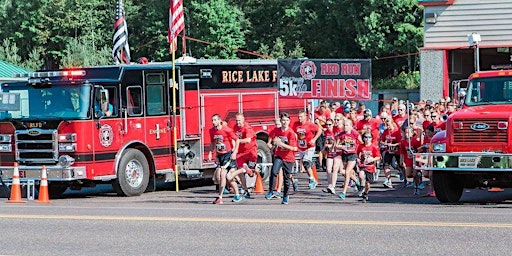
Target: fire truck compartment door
x,y
190,116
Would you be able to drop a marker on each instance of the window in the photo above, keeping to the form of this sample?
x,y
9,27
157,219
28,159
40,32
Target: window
x,y
155,94
134,100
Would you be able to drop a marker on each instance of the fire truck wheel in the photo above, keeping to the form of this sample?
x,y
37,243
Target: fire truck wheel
x,y
132,174
264,156
448,187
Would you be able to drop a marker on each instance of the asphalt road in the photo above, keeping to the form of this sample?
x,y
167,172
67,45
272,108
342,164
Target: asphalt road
x,y
96,222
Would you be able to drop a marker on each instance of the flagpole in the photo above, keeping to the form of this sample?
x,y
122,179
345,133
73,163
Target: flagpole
x,y
184,43
175,136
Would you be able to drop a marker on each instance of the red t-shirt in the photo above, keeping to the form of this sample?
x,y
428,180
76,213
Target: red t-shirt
x,y
407,151
425,124
365,152
371,125
325,116
244,132
287,137
351,139
392,137
305,133
399,120
222,139
329,142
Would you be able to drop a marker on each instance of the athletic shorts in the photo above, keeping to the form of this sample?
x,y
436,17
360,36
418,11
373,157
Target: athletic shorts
x,y
388,158
248,158
307,155
348,157
225,161
368,175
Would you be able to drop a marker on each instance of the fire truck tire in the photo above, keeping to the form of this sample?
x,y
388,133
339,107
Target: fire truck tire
x,y
132,174
448,187
264,156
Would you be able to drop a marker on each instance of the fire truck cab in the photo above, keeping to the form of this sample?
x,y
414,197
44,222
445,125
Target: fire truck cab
x,y
476,149
116,124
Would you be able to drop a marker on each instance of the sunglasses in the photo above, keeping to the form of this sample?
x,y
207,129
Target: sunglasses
x,y
337,119
401,109
328,124
433,116
367,137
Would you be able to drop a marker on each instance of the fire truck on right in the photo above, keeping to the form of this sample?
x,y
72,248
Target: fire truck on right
x,y
475,150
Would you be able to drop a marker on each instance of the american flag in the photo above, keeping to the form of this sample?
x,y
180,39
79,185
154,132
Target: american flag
x,y
176,22
121,50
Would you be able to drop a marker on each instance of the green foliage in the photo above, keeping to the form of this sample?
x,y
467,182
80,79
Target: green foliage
x,y
79,54
402,81
217,22
62,33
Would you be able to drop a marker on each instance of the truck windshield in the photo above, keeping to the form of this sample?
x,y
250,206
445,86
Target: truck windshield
x,y
57,102
489,90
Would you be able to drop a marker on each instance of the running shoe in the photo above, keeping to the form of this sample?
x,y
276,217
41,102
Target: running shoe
x,y
296,185
247,194
285,200
416,192
388,184
332,190
271,194
312,184
365,197
278,194
326,190
342,195
410,184
225,191
218,200
432,193
421,185
350,183
237,198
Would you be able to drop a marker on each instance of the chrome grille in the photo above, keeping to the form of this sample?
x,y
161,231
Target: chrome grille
x,y
36,146
490,135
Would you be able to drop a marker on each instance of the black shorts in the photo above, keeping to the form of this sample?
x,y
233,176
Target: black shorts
x,y
225,161
388,158
348,157
368,175
319,143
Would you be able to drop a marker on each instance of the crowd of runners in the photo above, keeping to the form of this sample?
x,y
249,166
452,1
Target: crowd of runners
x,y
344,138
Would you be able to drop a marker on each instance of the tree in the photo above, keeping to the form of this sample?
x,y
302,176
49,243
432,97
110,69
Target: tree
x,y
222,25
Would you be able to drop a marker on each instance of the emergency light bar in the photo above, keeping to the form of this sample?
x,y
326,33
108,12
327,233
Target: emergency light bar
x,y
43,74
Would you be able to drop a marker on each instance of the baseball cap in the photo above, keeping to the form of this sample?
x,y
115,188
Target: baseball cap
x,y
394,112
394,99
429,102
367,112
346,110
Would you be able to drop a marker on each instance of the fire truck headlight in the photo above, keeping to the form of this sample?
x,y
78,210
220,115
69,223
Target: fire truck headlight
x,y
6,138
70,137
67,147
66,161
5,148
439,147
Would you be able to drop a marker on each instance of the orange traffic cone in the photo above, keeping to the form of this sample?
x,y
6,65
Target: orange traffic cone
x,y
315,175
495,189
15,188
258,187
44,196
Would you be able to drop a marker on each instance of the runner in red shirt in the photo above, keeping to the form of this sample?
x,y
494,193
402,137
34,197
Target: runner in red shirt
x,y
408,146
285,141
225,143
368,155
401,116
307,133
348,142
390,140
247,152
333,161
369,124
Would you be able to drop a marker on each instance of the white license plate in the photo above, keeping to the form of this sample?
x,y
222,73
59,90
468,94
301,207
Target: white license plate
x,y
468,161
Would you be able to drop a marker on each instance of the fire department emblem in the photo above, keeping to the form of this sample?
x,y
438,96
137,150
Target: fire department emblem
x,y
308,69
106,135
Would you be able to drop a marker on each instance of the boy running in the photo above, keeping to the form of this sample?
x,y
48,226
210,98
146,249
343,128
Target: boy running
x,y
368,154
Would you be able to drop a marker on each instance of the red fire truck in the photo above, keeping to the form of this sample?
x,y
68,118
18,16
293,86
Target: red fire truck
x,y
476,148
114,124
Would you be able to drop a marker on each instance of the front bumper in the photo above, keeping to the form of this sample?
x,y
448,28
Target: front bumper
x,y
54,173
464,162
